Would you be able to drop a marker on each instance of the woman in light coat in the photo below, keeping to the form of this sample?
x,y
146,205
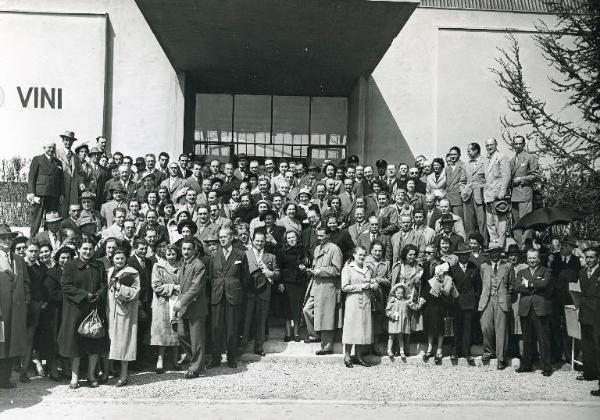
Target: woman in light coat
x,y
122,313
358,321
165,285
436,181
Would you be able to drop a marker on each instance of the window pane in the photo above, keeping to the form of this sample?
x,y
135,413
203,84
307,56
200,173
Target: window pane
x,y
252,119
213,117
290,118
329,121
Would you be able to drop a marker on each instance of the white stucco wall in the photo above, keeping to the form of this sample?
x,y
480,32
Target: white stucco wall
x,y
145,101
436,83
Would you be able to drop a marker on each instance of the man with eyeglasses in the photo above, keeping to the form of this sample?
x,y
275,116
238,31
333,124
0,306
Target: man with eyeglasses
x,y
414,174
71,220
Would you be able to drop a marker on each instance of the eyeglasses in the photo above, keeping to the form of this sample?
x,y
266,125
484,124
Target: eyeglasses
x,y
429,252
20,247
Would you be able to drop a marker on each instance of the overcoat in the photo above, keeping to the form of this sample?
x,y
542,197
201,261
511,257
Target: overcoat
x,y
164,285
537,295
358,320
326,285
122,313
80,278
14,297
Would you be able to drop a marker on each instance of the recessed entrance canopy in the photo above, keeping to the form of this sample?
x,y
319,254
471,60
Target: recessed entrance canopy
x,y
277,47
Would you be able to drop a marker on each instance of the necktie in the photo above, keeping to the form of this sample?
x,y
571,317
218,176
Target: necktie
x,y
226,253
495,268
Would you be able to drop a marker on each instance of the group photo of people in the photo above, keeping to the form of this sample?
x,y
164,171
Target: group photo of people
x,y
159,263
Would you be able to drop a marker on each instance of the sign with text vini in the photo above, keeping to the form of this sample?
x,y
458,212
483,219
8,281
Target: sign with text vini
x,y
52,79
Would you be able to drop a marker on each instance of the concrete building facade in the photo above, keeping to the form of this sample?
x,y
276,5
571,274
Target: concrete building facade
x,y
304,78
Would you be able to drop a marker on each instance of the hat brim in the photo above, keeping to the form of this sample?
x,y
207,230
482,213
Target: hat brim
x,y
466,251
9,235
573,244
60,219
494,249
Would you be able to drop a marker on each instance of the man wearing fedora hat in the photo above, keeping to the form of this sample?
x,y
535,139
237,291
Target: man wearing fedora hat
x,y
14,298
98,175
494,305
118,200
466,277
44,184
51,233
447,222
70,189
565,270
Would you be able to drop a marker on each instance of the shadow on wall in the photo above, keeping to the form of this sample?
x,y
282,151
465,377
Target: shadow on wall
x,y
108,87
384,139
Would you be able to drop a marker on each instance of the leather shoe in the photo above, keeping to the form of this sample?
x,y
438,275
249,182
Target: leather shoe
x,y
583,378
361,362
160,371
297,338
322,352
287,338
92,383
74,385
595,392
232,364
501,365
547,373
122,382
521,369
260,352
8,385
471,361
348,363
191,375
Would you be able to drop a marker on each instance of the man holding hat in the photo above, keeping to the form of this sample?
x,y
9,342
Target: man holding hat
x,y
497,180
45,185
565,270
14,298
524,171
51,233
494,305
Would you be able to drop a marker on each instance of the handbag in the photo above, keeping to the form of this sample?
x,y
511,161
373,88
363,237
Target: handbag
x,y
448,326
92,326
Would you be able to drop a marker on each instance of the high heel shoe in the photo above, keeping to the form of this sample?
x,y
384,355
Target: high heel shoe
x,y
348,363
122,382
427,356
403,355
438,358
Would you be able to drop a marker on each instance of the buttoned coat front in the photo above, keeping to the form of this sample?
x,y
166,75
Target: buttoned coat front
x,y
475,173
326,285
225,276
589,311
488,281
456,179
537,295
14,297
358,322
525,166
497,178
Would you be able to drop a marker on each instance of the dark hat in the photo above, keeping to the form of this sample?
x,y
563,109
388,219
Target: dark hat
x,y
242,156
353,159
95,151
210,239
87,194
68,135
267,213
117,187
140,161
314,167
5,232
513,249
462,248
494,247
502,206
381,163
447,218
569,240
52,217
189,223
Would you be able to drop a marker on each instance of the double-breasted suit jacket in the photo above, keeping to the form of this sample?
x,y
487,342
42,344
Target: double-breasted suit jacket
x,y
467,283
14,298
225,276
498,283
537,294
388,219
192,294
257,283
325,289
45,176
589,311
364,240
497,177
525,166
173,184
456,179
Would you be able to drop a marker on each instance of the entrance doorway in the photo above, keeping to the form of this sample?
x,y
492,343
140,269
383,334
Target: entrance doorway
x,y
264,126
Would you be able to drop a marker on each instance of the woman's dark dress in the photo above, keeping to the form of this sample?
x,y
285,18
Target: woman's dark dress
x,y
78,279
288,305
436,308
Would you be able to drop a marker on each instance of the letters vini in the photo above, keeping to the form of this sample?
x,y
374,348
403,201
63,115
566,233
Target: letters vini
x,y
42,97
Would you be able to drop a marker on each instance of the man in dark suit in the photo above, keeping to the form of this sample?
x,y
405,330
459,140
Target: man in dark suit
x,y
466,278
565,270
535,286
259,273
44,185
191,308
432,213
309,234
589,315
225,269
51,233
230,182
143,266
99,176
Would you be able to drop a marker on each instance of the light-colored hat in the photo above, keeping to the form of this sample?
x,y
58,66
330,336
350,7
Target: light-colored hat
x,y
68,135
52,217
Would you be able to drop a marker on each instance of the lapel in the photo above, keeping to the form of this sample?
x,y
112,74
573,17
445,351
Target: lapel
x,y
491,162
226,263
517,160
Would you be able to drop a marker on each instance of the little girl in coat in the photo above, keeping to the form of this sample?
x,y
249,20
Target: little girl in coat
x,y
398,311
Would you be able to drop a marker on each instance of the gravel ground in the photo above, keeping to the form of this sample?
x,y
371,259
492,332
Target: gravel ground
x,y
328,381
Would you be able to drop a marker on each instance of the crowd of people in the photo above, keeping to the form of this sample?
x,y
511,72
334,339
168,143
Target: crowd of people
x,y
182,261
